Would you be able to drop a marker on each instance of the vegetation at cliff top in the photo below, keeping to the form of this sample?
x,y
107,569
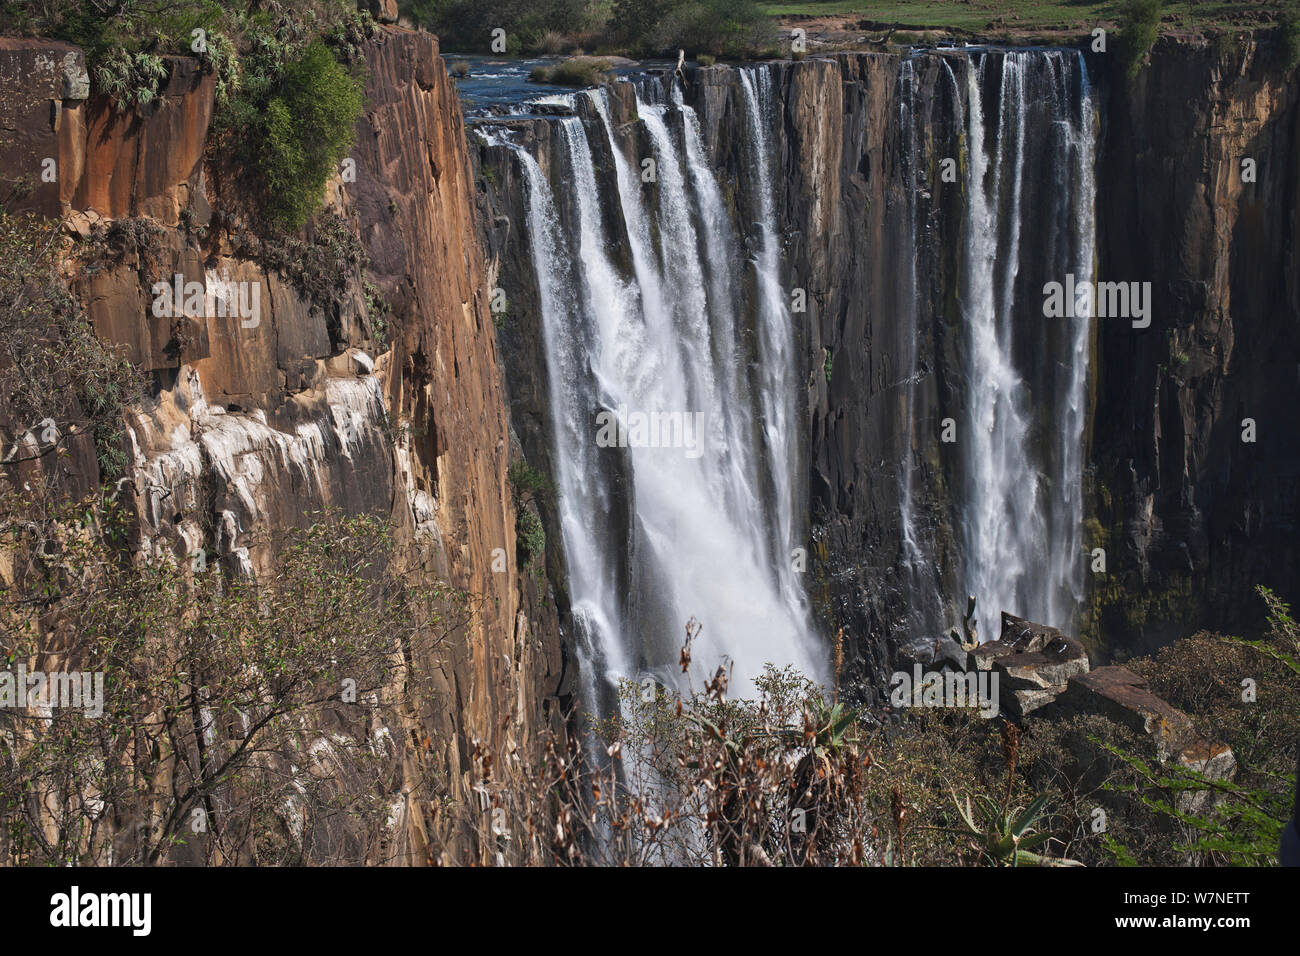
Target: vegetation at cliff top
x,y
307,129
744,28
1141,25
1291,36
794,776
288,83
734,28
991,16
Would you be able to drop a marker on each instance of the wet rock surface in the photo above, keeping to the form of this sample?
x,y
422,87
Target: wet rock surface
x,y
1192,516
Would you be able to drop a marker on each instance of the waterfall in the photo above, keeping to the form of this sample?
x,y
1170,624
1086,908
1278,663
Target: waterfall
x,y
666,295
1026,380
585,506
658,533
778,385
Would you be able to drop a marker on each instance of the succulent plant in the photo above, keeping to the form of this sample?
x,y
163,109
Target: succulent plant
x,y
1003,835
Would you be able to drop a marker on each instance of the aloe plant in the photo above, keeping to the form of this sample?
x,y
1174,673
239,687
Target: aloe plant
x,y
1004,835
829,726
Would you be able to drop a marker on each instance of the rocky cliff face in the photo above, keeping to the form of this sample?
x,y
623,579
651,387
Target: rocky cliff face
x,y
1195,515
1191,517
329,400
326,399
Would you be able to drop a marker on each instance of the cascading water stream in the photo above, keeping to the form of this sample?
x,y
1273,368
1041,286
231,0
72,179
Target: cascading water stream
x,y
777,386
586,502
666,336
1022,509
924,597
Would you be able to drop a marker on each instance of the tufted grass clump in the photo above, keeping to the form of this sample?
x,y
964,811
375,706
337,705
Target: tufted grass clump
x,y
130,80
578,71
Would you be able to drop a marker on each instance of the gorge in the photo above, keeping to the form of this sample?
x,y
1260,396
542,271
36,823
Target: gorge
x,y
755,358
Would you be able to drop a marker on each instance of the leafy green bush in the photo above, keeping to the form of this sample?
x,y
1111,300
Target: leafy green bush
x,y
719,27
220,58
130,80
530,25
530,534
285,106
526,482
1141,25
307,129
527,485
1291,37
350,34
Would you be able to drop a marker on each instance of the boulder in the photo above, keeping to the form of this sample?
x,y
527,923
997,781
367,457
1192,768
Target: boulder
x,y
1210,759
982,657
1124,697
940,654
1033,663
1024,636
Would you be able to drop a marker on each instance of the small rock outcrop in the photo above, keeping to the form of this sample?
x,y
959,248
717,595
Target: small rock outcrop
x,y
1043,672
1033,663
1122,696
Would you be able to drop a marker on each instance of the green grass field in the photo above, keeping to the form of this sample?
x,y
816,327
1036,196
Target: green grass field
x,y
1029,15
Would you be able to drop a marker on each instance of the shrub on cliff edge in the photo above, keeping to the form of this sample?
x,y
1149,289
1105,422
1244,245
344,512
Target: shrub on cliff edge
x,y
307,128
57,379
578,71
130,80
1141,25
1291,37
